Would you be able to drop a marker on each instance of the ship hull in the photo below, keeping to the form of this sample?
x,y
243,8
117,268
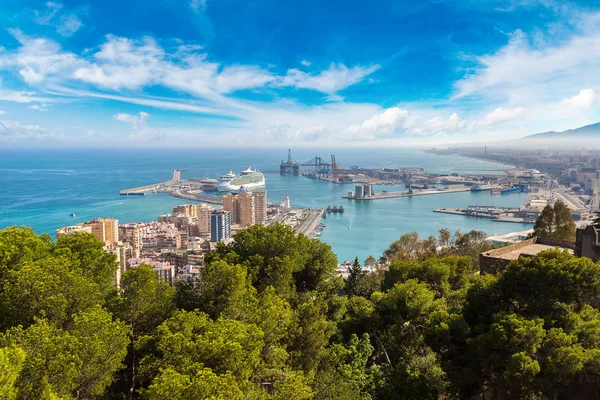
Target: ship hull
x,y
230,187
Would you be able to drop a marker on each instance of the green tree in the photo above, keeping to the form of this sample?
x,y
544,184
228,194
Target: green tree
x,y
357,283
79,363
221,289
11,363
87,253
555,223
19,245
143,305
52,288
343,371
564,227
205,384
276,256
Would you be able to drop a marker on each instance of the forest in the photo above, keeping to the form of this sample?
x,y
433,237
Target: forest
x,y
269,318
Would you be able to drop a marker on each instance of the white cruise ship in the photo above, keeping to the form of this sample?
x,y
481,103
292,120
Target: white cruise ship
x,y
248,178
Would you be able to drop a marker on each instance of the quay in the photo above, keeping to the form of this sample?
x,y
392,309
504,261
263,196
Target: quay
x,y
410,193
498,214
310,225
142,190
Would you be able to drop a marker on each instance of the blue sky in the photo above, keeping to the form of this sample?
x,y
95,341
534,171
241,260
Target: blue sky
x,y
282,73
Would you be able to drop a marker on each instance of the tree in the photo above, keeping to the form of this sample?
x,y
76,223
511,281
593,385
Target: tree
x,y
221,289
563,222
357,283
74,364
555,223
344,372
190,339
18,245
53,288
276,256
11,363
143,305
87,253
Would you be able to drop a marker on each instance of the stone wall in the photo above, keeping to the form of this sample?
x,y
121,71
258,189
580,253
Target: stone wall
x,y
587,243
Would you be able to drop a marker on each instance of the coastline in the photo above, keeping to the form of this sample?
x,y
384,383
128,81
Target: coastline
x,y
511,166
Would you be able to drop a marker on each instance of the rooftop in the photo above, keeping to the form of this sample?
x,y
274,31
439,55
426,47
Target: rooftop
x,y
527,251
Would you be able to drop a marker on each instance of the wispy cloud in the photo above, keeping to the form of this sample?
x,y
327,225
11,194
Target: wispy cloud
x,y
65,22
140,130
12,131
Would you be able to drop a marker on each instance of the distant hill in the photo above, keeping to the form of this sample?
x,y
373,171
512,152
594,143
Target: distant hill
x,y
587,132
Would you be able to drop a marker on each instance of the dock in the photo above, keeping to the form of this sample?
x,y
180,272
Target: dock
x,y
498,214
391,195
142,190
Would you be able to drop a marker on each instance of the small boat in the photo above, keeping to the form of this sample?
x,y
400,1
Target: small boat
x,y
72,214
349,226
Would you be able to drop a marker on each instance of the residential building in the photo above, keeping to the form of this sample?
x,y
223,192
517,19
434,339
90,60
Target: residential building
x,y
73,229
106,230
260,207
246,208
220,225
203,213
132,234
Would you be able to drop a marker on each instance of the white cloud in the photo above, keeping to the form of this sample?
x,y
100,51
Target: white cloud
x,y
330,81
385,124
306,63
2,112
437,125
546,66
241,77
397,122
69,24
66,25
500,116
39,107
140,131
14,131
43,17
582,101
38,58
123,63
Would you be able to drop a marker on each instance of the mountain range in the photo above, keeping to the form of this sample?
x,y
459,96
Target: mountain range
x,y
585,132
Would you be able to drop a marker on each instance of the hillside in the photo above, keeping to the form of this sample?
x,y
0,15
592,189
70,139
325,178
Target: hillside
x,y
589,132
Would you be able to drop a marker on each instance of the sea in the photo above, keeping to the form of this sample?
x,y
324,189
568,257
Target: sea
x,y
40,188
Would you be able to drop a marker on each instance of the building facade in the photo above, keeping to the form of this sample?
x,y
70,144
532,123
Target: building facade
x,y
246,208
220,225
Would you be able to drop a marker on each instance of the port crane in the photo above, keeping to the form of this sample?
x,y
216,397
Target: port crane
x,y
321,166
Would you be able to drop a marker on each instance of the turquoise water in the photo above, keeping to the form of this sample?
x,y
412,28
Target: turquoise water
x,y
40,188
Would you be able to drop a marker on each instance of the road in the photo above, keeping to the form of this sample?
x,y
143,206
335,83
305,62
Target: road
x,y
309,226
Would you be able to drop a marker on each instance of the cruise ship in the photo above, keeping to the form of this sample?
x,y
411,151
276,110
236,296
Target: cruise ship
x,y
248,178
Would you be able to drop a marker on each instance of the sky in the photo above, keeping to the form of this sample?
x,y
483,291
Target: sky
x,y
214,73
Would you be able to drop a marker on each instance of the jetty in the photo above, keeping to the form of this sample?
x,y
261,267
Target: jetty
x,y
410,193
142,190
498,214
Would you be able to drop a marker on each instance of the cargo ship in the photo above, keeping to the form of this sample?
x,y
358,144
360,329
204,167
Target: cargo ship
x,y
248,178
511,190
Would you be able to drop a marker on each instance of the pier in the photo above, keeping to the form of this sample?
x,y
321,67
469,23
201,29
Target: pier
x,y
499,214
391,195
141,190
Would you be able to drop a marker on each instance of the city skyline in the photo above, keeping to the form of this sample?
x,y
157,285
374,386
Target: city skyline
x,y
194,73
